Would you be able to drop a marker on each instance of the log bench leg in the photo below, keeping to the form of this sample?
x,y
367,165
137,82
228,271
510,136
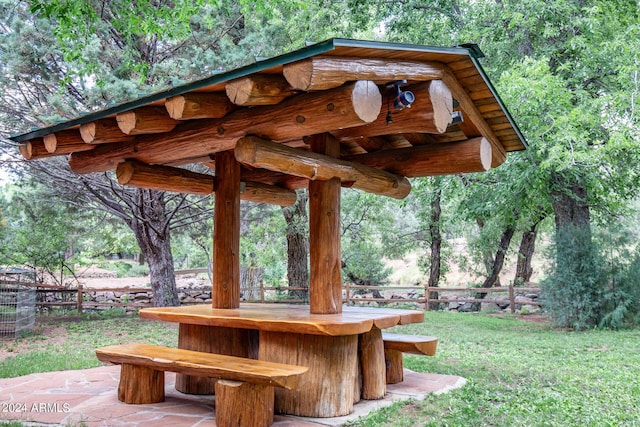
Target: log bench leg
x,y
372,362
243,404
140,384
393,362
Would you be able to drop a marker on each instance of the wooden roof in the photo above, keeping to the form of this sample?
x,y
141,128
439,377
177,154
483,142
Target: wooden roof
x,y
343,88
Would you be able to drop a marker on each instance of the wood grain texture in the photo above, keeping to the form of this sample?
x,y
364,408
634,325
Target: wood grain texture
x,y
145,120
226,233
241,404
473,155
65,142
198,106
315,166
217,340
414,344
258,89
321,73
327,389
394,372
140,384
162,358
371,350
286,318
103,131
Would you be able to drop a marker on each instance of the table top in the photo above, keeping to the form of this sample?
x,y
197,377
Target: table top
x,y
286,318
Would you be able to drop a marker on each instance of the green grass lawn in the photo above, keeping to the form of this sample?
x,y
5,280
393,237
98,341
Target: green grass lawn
x,y
519,373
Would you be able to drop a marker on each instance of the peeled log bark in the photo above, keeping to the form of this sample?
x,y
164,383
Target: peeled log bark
x,y
314,166
34,149
145,120
473,155
243,404
471,112
198,106
350,105
65,142
166,178
103,131
371,349
430,113
327,389
140,384
258,90
325,286
226,233
320,73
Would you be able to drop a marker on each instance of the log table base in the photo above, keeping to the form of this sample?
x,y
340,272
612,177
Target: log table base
x,y
328,388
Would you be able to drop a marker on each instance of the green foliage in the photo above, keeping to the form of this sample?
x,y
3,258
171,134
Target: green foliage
x,y
594,281
521,373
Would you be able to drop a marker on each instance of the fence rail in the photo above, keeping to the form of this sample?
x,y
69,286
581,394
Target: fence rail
x,y
83,298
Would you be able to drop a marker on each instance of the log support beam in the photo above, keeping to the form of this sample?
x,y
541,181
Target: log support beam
x,y
166,178
326,72
257,152
350,105
473,155
65,142
198,106
258,89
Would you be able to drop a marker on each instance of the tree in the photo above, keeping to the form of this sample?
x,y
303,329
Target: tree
x,y
297,232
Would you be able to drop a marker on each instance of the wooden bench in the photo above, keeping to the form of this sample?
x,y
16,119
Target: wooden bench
x,y
396,344
244,392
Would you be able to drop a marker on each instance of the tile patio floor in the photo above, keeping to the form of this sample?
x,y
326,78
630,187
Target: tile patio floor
x,y
88,397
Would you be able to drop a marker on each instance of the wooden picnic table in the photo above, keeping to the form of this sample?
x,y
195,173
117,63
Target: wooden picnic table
x,y
343,351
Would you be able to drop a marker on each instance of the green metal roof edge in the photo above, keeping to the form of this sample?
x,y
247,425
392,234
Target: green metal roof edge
x,y
303,53
297,55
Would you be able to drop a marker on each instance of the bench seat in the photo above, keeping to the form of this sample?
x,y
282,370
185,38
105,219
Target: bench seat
x,y
243,383
396,344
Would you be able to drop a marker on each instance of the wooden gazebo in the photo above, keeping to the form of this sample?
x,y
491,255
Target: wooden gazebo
x,y
341,113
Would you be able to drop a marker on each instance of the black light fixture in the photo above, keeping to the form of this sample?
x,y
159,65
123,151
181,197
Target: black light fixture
x,y
401,99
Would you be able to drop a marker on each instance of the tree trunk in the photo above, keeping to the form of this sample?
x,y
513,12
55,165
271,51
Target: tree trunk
x,y
298,247
150,226
573,221
498,259
435,236
525,254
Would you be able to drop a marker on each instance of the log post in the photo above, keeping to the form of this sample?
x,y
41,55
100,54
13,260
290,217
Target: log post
x,y
371,349
79,299
327,389
226,233
325,287
243,404
394,370
140,384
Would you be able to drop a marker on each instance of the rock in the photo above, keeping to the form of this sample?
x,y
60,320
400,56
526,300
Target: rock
x,y
490,307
